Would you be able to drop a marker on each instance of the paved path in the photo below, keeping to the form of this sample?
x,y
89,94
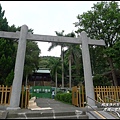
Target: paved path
x,y
57,106
58,110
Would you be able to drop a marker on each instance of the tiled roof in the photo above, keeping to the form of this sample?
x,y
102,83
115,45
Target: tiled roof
x,y
43,71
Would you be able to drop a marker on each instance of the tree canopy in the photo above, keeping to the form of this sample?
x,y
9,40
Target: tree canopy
x,y
102,22
8,48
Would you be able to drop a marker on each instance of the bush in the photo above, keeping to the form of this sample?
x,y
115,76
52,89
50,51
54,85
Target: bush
x,y
64,97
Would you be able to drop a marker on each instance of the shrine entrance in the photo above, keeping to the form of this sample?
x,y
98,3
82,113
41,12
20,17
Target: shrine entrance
x,y
24,35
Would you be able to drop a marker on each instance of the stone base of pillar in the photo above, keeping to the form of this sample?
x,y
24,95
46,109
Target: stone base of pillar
x,y
13,108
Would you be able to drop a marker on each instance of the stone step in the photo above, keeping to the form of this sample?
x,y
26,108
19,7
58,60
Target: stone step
x,y
60,115
56,117
3,114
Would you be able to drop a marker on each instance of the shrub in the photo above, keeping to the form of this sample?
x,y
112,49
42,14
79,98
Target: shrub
x,y
64,97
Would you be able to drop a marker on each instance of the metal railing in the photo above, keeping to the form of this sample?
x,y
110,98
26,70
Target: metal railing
x,y
111,99
111,109
94,108
107,107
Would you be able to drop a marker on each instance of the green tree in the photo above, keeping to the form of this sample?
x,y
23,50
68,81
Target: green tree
x,y
8,48
74,55
62,51
31,58
102,22
3,20
13,28
7,59
54,65
114,52
100,80
99,66
44,61
7,54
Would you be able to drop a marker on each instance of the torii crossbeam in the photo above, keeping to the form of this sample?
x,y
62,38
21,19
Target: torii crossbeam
x,y
23,35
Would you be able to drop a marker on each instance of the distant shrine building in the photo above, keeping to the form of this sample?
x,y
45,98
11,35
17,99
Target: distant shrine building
x,y
40,77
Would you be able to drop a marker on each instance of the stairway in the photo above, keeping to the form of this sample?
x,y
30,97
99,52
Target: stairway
x,y
36,112
50,115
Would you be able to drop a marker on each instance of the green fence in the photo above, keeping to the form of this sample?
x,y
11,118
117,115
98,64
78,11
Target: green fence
x,y
41,91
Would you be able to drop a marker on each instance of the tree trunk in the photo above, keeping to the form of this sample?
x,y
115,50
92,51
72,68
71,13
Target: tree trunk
x,y
56,80
113,72
70,71
62,67
26,81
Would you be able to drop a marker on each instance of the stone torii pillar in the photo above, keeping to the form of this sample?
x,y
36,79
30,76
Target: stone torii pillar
x,y
19,67
23,35
89,88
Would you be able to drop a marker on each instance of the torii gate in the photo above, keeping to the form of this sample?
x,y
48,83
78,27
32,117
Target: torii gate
x,y
19,65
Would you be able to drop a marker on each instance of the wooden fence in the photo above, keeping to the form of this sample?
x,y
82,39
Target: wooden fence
x,y
106,92
78,96
5,94
102,94
75,96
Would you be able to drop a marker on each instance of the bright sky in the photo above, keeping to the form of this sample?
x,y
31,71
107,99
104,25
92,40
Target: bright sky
x,y
45,17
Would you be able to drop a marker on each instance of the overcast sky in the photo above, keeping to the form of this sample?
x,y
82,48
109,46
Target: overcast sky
x,y
45,17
